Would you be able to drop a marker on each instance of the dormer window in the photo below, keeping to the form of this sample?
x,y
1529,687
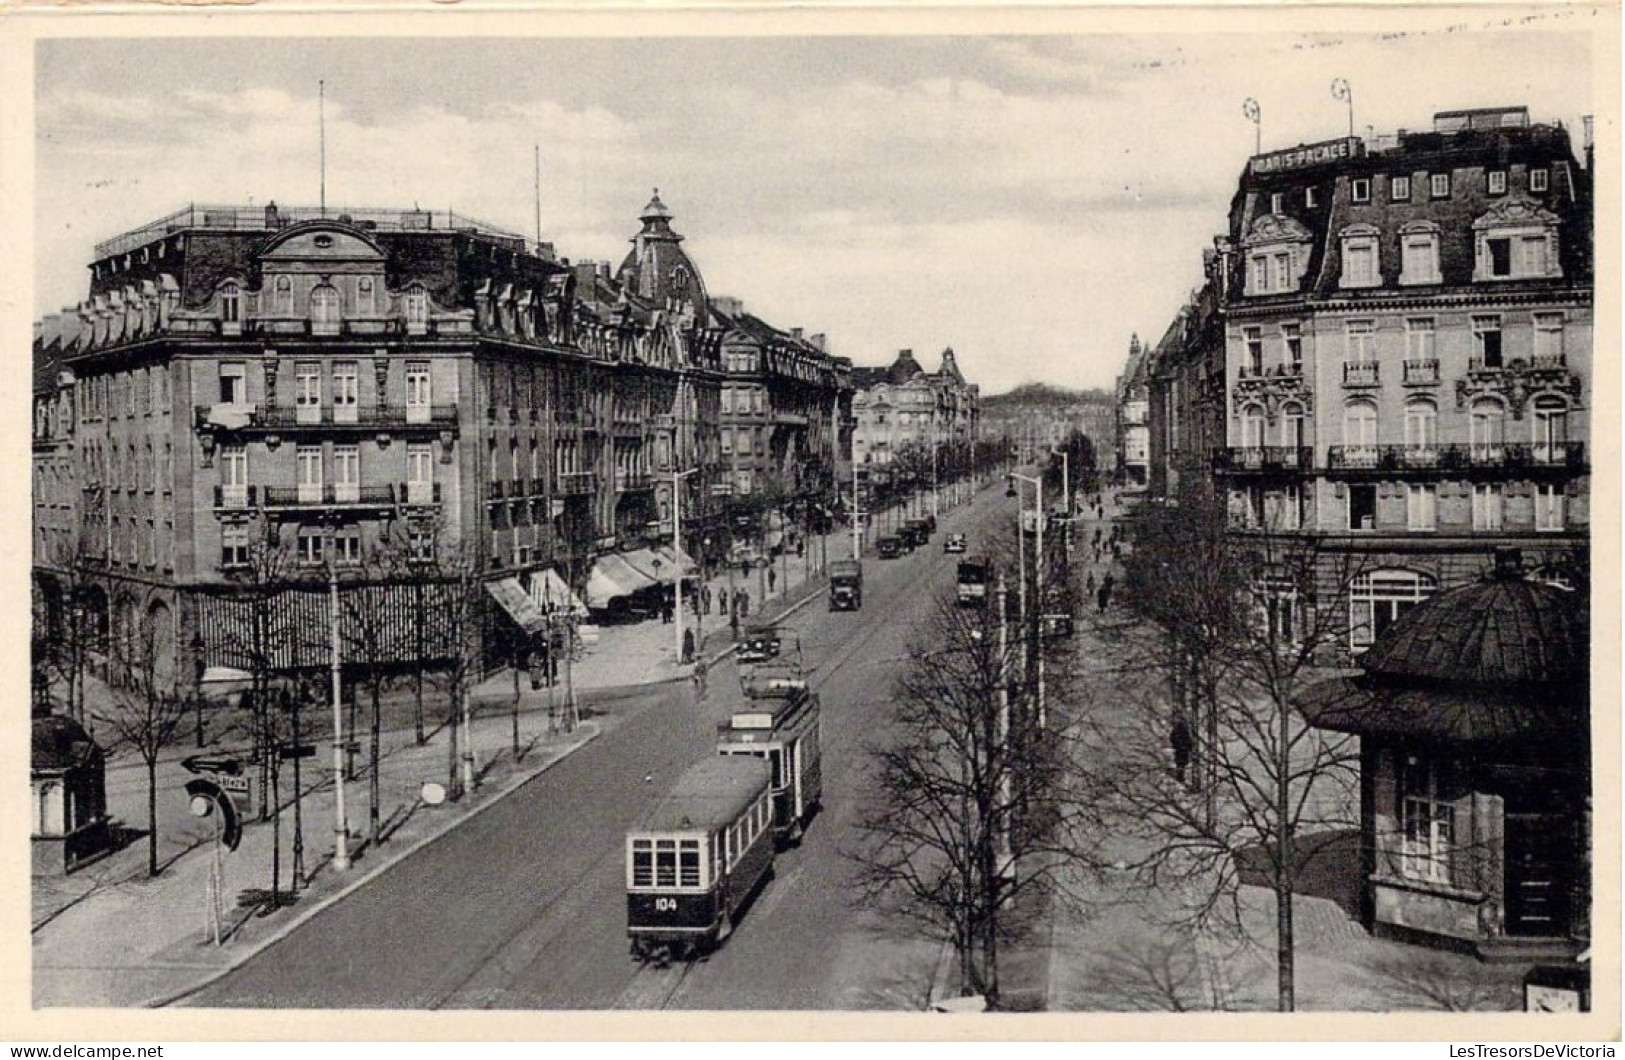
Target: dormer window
x,y
1276,201
1360,189
1310,199
417,311
324,310
1277,250
1360,260
1516,240
1497,182
1537,180
1419,253
1439,185
231,309
1399,189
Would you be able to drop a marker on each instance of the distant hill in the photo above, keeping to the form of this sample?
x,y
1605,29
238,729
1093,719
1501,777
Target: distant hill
x,y
1042,395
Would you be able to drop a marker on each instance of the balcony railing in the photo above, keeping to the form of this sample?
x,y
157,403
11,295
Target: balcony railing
x,y
1261,458
288,418
329,496
1360,373
578,483
419,493
236,497
1422,372
1472,456
627,481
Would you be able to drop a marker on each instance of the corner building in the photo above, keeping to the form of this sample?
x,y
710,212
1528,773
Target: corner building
x,y
1408,331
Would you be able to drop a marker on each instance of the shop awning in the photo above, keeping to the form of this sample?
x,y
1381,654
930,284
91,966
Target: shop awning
x,y
553,596
525,612
677,559
612,576
657,569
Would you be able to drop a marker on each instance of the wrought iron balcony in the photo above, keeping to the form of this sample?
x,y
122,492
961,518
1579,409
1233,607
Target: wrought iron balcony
x,y
1457,458
329,495
1242,459
418,494
578,483
228,498
1423,372
289,419
629,481
1360,373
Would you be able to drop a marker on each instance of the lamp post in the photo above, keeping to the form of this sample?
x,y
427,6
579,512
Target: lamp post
x,y
1066,481
857,514
1038,580
341,827
936,505
677,478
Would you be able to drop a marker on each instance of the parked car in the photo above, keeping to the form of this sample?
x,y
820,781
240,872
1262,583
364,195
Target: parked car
x,y
955,543
889,547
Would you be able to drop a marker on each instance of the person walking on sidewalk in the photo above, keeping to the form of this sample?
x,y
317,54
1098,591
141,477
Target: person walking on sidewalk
x,y
705,599
1179,738
666,610
772,579
742,602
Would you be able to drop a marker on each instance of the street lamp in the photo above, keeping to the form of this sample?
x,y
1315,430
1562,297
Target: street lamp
x,y
1038,575
677,478
1066,480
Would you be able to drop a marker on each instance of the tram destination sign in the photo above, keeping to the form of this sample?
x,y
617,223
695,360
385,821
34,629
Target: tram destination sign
x,y
1305,155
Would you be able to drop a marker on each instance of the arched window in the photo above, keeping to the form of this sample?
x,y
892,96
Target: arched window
x,y
417,310
1292,431
1360,432
1551,429
231,306
1486,427
324,310
1421,424
1419,253
1377,599
1252,426
1361,267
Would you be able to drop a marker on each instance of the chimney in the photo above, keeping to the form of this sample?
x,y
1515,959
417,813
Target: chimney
x,y
272,220
818,339
795,333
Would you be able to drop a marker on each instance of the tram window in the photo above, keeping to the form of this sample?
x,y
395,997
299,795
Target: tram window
x,y
665,863
688,863
643,866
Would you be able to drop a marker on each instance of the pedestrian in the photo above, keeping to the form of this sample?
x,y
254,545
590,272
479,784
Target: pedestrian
x,y
743,599
1091,582
1181,741
722,600
666,609
1103,596
705,599
772,579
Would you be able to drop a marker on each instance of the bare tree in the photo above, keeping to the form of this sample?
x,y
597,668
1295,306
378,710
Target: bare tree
x,y
144,713
70,628
970,815
1229,623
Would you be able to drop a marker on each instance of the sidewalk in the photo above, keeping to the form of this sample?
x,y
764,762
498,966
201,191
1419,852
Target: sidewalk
x,y
108,935
1123,954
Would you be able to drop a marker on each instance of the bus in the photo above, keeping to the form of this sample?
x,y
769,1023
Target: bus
x,y
975,572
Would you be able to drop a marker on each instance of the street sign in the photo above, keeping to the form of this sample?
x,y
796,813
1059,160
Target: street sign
x,y
304,750
208,798
212,764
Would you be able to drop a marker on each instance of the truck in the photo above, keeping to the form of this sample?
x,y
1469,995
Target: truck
x,y
845,585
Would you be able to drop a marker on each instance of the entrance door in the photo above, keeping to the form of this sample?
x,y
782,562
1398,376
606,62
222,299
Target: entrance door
x,y
1539,873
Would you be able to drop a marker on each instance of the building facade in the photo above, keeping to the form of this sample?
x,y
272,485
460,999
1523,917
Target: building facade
x,y
1407,331
1134,418
343,383
902,407
1187,410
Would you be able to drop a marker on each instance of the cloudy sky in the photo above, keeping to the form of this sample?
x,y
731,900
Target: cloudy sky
x,y
1030,200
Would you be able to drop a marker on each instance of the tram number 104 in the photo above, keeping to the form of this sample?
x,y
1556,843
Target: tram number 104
x,y
665,905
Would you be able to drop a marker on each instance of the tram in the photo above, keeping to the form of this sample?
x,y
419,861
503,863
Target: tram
x,y
779,722
975,572
698,858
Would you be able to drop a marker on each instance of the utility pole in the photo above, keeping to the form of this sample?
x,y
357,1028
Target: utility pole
x,y
857,513
677,478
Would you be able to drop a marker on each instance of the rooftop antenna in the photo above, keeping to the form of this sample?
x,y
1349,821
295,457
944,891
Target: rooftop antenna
x,y
1250,108
321,111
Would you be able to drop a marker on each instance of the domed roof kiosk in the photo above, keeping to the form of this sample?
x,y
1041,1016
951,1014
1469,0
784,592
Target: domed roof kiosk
x,y
1472,713
67,772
